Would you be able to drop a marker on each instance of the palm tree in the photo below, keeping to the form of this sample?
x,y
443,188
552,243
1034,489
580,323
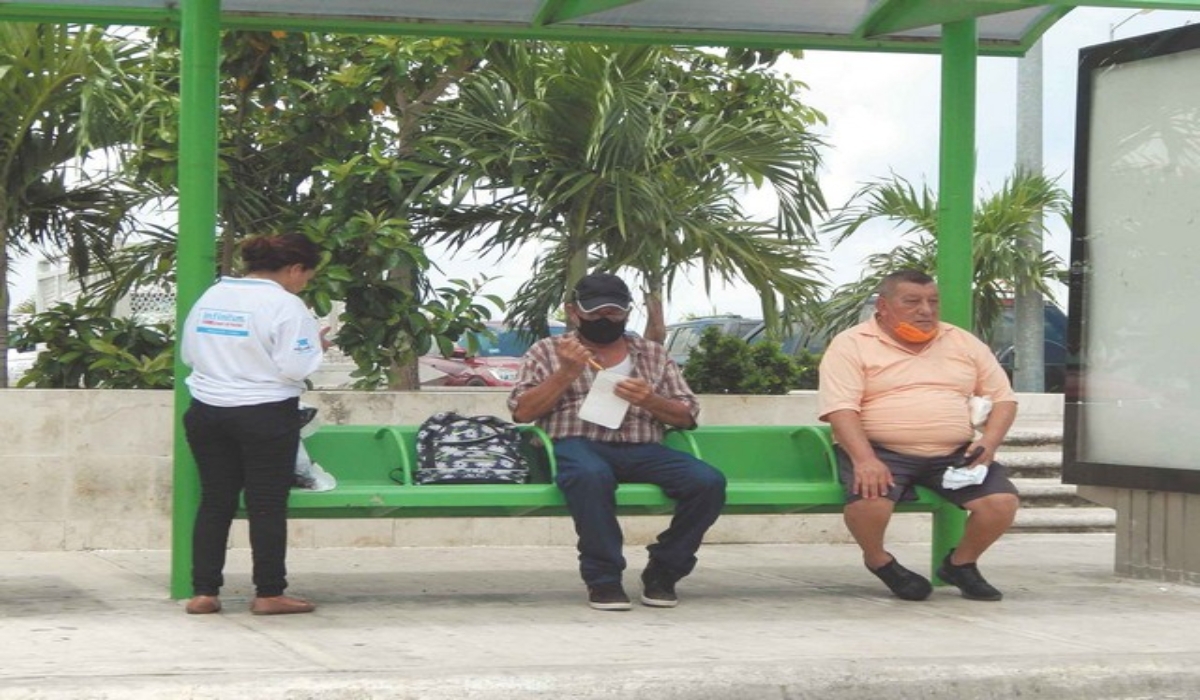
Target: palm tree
x,y
631,157
63,98
1002,222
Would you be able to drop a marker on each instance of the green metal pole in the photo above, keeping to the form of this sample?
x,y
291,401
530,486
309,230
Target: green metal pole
x,y
956,186
196,254
957,172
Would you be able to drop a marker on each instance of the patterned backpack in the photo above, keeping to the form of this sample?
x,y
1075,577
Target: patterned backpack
x,y
457,449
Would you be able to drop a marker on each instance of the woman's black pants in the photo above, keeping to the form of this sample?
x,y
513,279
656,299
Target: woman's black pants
x,y
251,449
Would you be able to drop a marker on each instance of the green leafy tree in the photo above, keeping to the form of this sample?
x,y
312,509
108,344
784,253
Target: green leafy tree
x,y
84,347
384,325
65,96
321,133
1002,222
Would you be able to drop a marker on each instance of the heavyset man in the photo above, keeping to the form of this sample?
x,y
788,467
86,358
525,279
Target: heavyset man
x,y
896,391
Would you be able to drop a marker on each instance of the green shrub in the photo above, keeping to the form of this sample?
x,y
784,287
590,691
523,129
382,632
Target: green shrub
x,y
719,364
808,363
83,347
724,364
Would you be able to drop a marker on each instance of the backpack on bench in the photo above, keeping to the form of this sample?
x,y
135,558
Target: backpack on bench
x,y
457,449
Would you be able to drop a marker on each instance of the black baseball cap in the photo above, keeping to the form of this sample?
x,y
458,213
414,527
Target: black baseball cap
x,y
601,289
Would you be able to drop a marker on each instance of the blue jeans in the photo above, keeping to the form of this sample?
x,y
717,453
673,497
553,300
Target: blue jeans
x,y
588,474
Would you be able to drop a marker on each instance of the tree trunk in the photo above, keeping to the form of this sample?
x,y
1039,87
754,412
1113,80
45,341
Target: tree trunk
x,y
4,298
410,109
405,376
656,324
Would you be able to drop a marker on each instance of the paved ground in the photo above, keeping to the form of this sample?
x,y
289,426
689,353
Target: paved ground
x,y
760,622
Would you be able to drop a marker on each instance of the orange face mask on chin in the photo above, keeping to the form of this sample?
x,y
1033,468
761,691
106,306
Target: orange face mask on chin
x,y
911,334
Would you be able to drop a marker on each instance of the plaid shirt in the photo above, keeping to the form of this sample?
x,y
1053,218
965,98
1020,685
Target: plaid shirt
x,y
650,362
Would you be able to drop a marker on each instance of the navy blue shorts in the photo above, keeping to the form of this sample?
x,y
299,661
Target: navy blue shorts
x,y
908,472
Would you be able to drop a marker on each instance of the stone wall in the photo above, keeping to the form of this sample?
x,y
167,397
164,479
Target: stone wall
x,y
92,470
85,469
1157,532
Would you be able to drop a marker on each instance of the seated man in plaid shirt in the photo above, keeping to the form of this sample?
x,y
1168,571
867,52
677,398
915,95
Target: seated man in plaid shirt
x,y
556,376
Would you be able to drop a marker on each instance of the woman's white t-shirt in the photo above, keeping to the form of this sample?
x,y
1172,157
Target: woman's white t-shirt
x,y
249,341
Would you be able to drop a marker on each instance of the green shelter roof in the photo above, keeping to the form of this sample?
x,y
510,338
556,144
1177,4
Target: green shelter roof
x,y
1005,27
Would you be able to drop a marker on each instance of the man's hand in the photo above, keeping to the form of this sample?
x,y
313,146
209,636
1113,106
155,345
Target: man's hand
x,y
872,478
573,356
635,390
980,452
640,393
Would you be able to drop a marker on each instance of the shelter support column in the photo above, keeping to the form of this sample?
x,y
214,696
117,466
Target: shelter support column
x,y
956,185
956,172
196,253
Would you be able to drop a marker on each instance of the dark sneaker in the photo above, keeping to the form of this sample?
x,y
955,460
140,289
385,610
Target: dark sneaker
x,y
658,589
968,579
608,596
907,585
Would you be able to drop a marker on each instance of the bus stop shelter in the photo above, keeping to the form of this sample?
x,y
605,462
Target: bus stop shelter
x,y
958,30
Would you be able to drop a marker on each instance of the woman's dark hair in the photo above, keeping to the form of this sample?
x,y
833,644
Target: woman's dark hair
x,y
273,253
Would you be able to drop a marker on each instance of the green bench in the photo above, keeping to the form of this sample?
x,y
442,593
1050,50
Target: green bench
x,y
769,469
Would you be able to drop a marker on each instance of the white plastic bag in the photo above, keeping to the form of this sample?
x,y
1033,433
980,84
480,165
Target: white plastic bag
x,y
960,477
309,475
981,408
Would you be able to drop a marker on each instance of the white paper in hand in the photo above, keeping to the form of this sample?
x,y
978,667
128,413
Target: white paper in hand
x,y
602,406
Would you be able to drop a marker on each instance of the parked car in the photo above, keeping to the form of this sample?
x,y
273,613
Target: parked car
x,y
796,340
1054,348
683,336
495,363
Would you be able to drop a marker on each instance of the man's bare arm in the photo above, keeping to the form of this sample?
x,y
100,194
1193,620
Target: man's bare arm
x,y
872,478
540,400
999,421
573,358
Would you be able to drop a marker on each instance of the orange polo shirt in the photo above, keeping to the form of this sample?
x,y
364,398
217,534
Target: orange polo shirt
x,y
910,402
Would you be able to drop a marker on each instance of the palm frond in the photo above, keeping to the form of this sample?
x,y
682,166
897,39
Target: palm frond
x,y
1007,223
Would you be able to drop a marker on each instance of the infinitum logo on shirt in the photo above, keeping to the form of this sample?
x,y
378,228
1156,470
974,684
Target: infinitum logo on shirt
x,y
217,322
302,346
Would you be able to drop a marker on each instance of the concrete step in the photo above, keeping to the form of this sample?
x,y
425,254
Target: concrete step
x,y
1032,463
1093,519
1033,436
1049,493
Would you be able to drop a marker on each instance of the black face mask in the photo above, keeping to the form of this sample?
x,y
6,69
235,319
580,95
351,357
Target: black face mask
x,y
602,331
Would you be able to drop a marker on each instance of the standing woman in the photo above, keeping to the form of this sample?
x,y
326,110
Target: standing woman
x,y
250,342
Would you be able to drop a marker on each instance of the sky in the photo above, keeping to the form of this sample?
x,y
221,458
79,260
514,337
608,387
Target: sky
x,y
882,112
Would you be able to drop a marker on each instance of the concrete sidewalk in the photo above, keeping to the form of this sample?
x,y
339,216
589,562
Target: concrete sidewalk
x,y
760,622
